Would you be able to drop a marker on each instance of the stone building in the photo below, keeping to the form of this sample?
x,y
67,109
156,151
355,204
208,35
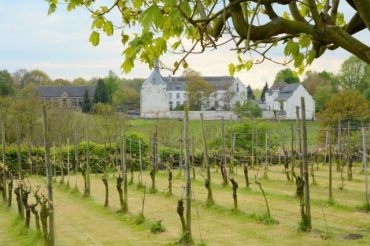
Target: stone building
x,y
66,96
160,95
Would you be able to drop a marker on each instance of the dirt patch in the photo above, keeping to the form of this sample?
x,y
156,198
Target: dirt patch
x,y
353,236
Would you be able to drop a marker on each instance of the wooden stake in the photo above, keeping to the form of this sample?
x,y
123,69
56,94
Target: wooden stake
x,y
364,162
305,166
330,167
187,173
298,125
3,142
140,163
206,162
224,156
51,238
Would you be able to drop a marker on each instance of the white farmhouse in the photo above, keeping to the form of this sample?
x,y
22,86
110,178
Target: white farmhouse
x,y
282,99
160,95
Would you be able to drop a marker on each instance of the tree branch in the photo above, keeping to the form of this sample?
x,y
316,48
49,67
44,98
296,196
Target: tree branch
x,y
363,8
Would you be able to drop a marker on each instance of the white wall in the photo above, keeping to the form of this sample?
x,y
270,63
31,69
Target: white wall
x,y
195,115
154,101
295,100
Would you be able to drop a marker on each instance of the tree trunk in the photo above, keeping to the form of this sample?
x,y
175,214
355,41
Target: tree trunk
x,y
105,181
235,195
51,239
246,175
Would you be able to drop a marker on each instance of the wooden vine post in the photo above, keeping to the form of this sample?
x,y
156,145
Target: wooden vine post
x,y
153,172
54,162
5,173
20,176
349,157
305,168
124,171
330,167
68,162
339,160
87,187
207,182
140,164
298,125
266,157
61,161
188,194
51,237
76,156
224,156
193,156
364,162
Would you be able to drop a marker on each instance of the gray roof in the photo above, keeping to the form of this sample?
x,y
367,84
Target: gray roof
x,y
72,91
284,90
155,77
218,82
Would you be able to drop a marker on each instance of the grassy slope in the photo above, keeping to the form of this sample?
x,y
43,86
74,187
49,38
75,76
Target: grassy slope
x,y
80,220
170,130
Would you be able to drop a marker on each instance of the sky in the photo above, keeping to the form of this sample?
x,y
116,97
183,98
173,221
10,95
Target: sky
x,y
58,45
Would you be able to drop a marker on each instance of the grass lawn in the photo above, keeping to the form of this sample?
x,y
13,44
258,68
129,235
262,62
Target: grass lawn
x,y
84,221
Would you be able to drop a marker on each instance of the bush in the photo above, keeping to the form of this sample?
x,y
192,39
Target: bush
x,y
99,154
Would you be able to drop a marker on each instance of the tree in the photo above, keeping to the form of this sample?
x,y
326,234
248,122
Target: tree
x,y
314,81
354,74
61,82
250,94
306,30
19,76
349,105
248,109
287,76
101,94
111,85
36,77
264,91
6,84
197,88
322,96
86,104
79,81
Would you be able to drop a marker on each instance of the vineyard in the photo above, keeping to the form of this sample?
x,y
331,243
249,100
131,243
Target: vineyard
x,y
114,181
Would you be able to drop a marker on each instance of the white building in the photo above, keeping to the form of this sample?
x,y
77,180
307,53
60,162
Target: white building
x,y
160,95
282,99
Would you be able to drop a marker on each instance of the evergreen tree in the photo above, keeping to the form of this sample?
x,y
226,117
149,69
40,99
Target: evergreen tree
x,y
86,104
264,90
250,94
101,93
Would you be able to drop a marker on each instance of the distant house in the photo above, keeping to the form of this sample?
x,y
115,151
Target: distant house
x,y
282,99
160,95
66,96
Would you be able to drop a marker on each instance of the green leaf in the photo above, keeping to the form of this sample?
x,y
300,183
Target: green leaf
x,y
231,69
94,38
248,65
185,65
124,38
286,15
304,41
291,48
108,28
185,7
137,3
52,8
298,60
176,45
98,22
127,65
310,56
150,16
340,19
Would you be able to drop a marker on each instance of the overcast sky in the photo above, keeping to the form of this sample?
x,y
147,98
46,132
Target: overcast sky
x,y
58,44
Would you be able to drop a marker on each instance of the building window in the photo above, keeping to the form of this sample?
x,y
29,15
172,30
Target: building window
x,y
171,105
177,104
177,95
177,87
237,87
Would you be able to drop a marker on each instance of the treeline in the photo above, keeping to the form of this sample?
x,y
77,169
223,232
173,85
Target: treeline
x,y
124,94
